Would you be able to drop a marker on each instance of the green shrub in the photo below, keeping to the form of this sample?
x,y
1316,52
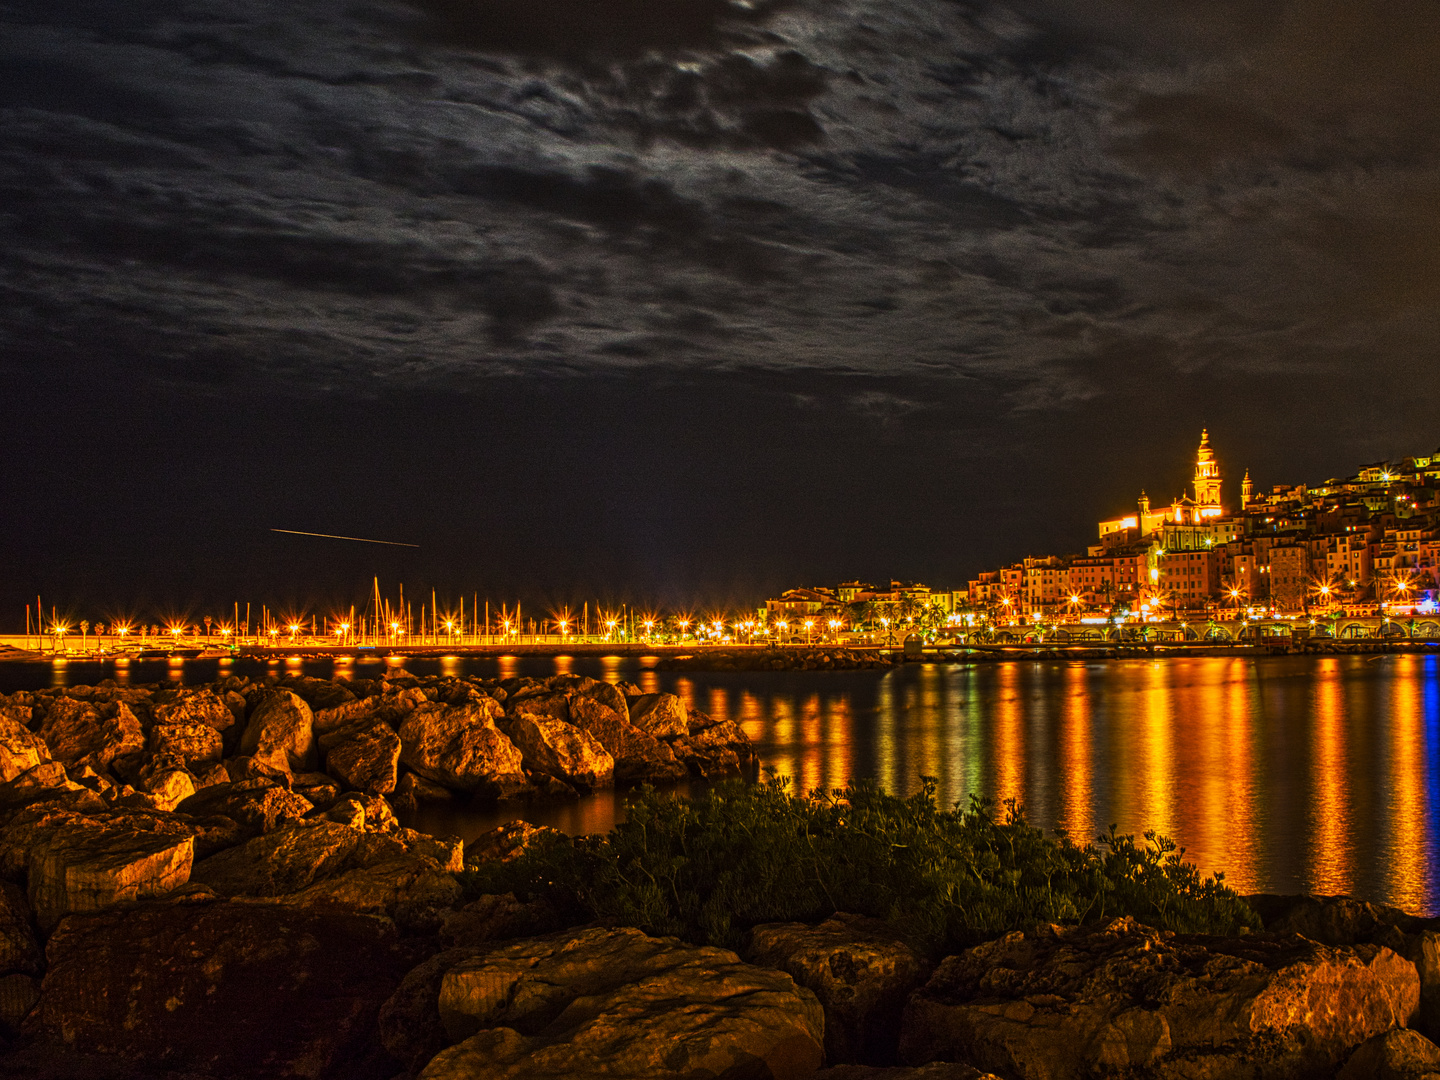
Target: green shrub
x,y
706,869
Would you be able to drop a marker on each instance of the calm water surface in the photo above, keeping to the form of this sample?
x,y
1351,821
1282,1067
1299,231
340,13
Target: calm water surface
x,y
1317,774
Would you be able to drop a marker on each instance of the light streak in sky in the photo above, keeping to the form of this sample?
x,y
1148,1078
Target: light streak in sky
x,y
332,536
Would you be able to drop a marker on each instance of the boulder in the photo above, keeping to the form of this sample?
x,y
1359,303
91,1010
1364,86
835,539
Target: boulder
x,y
422,790
509,841
639,756
1398,1054
75,731
319,789
365,760
859,969
189,708
259,805
1343,921
287,860
235,990
20,748
662,715
275,767
551,704
407,889
46,781
605,694
88,864
562,750
318,693
391,706
281,730
168,784
374,812
459,747
409,1022
614,1002
1068,1002
196,744
340,716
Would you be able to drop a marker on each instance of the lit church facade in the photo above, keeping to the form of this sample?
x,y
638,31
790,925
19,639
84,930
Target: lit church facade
x,y
1191,522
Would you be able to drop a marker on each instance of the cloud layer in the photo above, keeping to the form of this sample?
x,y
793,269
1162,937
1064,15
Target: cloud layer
x,y
1047,201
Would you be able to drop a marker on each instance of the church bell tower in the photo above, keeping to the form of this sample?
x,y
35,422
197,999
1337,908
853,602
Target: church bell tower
x,y
1207,476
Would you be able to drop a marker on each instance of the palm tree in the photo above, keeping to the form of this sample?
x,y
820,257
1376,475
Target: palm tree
x,y
862,613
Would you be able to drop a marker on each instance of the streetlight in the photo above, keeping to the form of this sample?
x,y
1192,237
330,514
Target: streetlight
x,y
808,624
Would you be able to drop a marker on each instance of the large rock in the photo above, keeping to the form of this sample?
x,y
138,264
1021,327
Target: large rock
x,y
662,715
259,805
509,841
20,748
167,783
602,693
76,731
616,1003
290,859
639,756
459,747
365,760
187,708
281,730
410,1027
1066,1003
858,968
235,990
1343,921
88,864
391,707
562,750
549,703
407,888
318,693
198,744
1396,1055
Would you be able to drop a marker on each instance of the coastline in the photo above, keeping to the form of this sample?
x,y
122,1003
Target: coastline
x,y
149,834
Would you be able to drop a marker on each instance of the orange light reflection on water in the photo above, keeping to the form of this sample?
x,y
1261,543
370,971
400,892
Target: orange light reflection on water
x,y
1331,856
1008,735
1405,851
1077,795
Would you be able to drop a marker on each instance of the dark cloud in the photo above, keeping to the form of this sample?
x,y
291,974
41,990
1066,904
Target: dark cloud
x,y
592,29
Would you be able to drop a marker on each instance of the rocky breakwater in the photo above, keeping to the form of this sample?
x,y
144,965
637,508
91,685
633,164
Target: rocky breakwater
x,y
216,877
1124,999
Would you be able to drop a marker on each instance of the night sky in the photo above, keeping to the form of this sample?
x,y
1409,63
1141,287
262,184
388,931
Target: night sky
x,y
686,301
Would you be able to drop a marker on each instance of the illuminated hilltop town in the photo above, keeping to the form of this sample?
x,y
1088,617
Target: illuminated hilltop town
x,y
1366,545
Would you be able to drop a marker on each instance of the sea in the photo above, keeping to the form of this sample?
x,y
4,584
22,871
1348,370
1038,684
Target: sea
x,y
1316,774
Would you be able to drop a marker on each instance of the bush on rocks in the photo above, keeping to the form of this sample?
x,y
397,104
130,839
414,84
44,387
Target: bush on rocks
x,y
706,869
